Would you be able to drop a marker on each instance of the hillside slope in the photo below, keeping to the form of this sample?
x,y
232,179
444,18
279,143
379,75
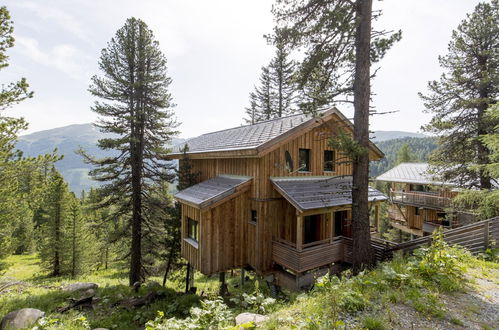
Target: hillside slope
x,y
379,136
421,149
67,140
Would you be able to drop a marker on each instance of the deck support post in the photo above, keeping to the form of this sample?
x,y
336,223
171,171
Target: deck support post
x,y
331,227
242,277
223,285
189,278
486,234
299,232
376,217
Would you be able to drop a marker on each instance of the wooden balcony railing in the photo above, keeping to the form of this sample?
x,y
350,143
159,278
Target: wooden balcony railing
x,y
422,199
312,256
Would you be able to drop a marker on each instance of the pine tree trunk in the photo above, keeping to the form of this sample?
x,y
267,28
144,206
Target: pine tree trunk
x,y
362,254
136,155
168,265
57,225
73,266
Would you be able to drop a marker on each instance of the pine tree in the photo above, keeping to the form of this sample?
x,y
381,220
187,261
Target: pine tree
x,y
78,240
405,155
136,108
276,93
262,99
459,99
339,47
14,92
491,141
55,211
282,78
105,229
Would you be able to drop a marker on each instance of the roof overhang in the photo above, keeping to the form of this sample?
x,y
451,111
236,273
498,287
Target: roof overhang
x,y
213,192
311,194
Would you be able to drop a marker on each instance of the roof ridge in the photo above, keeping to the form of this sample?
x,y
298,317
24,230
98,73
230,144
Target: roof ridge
x,y
309,115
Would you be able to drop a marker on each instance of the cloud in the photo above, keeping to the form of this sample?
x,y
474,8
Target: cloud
x,y
55,15
63,57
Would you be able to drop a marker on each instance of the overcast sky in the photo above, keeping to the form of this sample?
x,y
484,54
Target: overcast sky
x,y
215,50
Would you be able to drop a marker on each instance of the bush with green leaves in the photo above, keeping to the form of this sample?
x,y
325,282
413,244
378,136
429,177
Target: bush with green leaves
x,y
213,314
440,263
256,302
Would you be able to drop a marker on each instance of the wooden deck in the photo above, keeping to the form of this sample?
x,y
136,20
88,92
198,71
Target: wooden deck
x,y
321,254
421,199
475,237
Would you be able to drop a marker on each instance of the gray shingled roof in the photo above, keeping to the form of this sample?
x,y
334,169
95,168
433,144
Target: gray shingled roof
x,y
211,191
410,173
309,193
243,137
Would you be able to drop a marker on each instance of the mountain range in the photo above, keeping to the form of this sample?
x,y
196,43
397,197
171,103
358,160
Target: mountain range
x,y
70,138
67,140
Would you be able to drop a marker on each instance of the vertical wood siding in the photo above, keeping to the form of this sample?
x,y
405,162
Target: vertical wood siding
x,y
227,238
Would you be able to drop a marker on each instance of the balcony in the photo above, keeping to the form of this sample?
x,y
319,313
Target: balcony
x,y
420,199
311,256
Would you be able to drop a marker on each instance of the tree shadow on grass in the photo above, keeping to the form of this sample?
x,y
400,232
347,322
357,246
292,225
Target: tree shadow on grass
x,y
108,309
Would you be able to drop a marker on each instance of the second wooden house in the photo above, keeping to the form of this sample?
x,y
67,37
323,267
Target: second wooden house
x,y
273,196
419,201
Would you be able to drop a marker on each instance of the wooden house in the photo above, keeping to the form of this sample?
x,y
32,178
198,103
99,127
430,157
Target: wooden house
x,y
273,196
418,200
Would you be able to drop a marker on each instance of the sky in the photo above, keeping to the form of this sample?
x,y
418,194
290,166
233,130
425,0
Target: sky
x,y
215,50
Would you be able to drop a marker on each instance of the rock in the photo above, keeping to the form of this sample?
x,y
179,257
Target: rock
x,y
250,317
80,286
88,293
100,329
153,285
21,318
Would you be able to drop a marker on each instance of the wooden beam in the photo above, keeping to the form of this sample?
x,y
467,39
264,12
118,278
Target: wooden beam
x,y
331,227
376,216
299,233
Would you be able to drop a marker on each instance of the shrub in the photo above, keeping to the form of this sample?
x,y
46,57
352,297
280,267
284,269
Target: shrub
x,y
213,314
256,302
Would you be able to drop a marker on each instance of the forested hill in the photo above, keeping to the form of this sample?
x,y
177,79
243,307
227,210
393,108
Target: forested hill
x,y
379,136
67,140
420,147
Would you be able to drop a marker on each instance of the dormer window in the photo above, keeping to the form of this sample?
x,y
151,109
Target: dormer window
x,y
304,155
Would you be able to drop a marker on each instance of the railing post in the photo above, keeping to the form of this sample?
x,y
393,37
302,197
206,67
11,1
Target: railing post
x,y
486,234
299,232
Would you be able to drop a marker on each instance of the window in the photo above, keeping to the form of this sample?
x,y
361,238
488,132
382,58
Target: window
x,y
254,217
329,161
416,210
304,160
193,229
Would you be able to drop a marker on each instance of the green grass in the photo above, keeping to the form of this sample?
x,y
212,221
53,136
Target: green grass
x,y
369,298
44,293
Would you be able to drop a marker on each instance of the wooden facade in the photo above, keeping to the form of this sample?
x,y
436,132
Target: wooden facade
x,y
229,236
420,211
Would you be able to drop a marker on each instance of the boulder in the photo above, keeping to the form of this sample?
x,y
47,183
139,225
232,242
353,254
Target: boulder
x,y
88,293
80,286
250,317
21,318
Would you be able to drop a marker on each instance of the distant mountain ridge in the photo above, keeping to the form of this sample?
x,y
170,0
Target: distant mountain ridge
x,y
379,136
70,138
67,140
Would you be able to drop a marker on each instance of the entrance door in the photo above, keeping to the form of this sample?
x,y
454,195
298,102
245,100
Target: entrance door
x,y
312,228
